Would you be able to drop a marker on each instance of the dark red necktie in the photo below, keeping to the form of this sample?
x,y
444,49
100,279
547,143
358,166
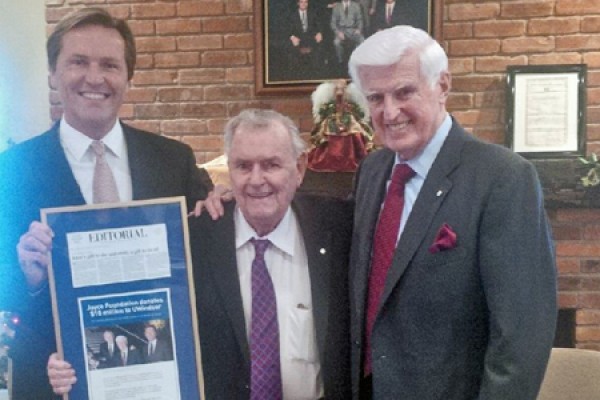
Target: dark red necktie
x,y
384,245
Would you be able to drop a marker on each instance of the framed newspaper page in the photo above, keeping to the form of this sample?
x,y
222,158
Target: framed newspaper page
x,y
123,300
545,110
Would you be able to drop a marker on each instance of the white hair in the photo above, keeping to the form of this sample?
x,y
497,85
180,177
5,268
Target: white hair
x,y
388,46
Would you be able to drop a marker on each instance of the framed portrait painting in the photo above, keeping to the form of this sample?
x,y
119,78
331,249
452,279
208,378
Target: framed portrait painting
x,y
297,47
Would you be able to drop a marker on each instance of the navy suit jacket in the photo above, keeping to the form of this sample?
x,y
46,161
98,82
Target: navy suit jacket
x,y
162,352
326,228
475,321
36,174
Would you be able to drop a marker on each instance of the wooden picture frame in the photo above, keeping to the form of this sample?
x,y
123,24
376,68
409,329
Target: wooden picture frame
x,y
276,73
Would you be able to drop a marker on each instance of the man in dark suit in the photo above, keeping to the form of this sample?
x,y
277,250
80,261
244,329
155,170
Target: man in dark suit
x,y
304,33
91,59
307,260
156,349
390,13
109,351
461,303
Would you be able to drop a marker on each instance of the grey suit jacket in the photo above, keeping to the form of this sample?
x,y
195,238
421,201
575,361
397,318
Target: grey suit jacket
x,y
36,175
472,322
344,23
326,228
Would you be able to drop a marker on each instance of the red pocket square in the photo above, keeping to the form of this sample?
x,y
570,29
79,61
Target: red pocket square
x,y
444,240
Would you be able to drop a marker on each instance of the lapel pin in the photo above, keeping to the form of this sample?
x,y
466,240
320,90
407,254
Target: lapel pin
x,y
322,251
439,193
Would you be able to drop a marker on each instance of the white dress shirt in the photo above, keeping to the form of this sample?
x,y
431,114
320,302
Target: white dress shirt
x,y
287,264
82,160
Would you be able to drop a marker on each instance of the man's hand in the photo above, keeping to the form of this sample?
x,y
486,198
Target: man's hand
x,y
33,250
61,375
214,202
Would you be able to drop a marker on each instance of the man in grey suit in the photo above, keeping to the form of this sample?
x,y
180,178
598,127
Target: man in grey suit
x,y
91,58
462,304
347,26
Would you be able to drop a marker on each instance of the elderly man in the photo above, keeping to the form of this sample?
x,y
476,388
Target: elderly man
x,y
88,156
270,276
452,273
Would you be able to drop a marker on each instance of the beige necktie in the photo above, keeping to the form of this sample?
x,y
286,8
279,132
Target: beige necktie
x,y
104,185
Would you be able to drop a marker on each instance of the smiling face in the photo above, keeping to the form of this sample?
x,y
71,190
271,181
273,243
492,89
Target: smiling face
x,y
91,78
264,174
405,109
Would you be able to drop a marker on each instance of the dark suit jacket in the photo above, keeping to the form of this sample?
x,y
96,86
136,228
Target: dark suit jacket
x,y
36,174
105,358
472,322
406,12
294,27
162,352
326,226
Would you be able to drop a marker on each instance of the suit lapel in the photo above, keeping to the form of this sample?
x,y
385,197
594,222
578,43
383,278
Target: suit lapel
x,y
223,268
140,162
436,187
318,252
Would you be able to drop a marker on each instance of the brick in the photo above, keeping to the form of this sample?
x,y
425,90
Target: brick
x,y
577,42
567,232
490,99
567,300
569,283
473,12
525,9
478,83
592,59
172,60
225,25
463,65
199,8
552,26
224,58
458,30
153,10
460,101
571,215
498,28
475,47
567,265
590,266
498,63
154,77
228,92
140,95
214,143
126,111
555,58
144,61
201,110
577,7
148,126
157,111
178,26
141,28
169,95
200,42
590,24
155,44
239,75
577,249
239,41
238,6
201,75
587,317
590,283
184,127
216,124
530,44
587,333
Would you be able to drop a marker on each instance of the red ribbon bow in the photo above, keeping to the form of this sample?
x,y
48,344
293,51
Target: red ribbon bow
x,y
444,240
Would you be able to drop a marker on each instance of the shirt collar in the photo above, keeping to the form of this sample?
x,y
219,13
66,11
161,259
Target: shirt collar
x,y
283,236
422,163
77,144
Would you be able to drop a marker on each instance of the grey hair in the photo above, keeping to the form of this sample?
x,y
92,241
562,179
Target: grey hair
x,y
121,338
256,119
388,46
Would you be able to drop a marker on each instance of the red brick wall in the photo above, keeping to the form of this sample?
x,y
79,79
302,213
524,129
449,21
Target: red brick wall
x,y
196,69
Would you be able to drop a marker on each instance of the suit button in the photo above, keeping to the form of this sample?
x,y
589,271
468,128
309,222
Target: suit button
x,y
357,343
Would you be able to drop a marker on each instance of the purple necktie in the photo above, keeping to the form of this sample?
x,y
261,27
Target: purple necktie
x,y
384,245
264,331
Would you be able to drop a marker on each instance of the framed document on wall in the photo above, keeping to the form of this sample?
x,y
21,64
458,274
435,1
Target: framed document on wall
x,y
545,110
123,300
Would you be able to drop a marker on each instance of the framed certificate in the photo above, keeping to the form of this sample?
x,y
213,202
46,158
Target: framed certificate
x,y
123,300
545,110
